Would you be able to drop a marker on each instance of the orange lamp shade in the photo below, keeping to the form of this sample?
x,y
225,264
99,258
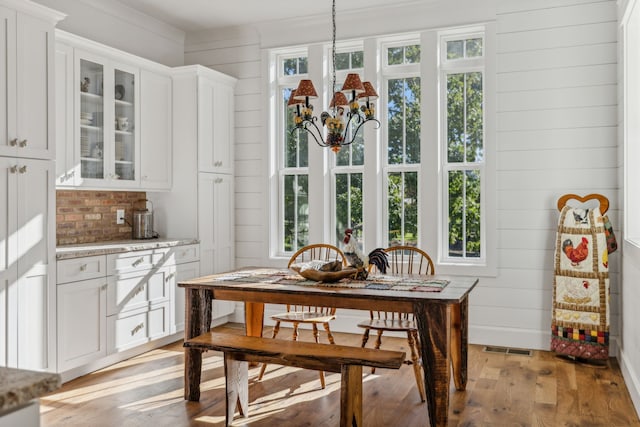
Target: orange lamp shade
x,y
353,83
305,89
369,92
293,101
339,100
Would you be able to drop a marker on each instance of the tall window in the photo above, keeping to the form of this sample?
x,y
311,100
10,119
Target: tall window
x,y
463,163
348,165
420,179
402,77
294,161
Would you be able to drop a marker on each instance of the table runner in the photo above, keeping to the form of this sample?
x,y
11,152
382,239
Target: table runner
x,y
380,282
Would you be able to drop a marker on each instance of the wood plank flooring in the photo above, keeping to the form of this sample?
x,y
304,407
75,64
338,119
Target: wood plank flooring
x,y
502,390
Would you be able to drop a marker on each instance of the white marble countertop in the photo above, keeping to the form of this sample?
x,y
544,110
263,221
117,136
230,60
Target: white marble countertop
x,y
19,386
118,246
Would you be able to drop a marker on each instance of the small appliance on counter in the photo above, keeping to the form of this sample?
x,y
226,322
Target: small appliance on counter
x,y
143,222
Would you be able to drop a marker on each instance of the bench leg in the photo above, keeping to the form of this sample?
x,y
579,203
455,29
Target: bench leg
x,y
236,375
351,396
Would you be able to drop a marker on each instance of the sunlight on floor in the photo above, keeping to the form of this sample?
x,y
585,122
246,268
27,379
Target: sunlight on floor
x,y
144,358
83,394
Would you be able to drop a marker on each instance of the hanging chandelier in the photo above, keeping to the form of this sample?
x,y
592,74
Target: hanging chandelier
x,y
346,117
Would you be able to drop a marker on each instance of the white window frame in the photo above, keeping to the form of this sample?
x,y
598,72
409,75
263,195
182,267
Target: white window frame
x,y
431,218
392,72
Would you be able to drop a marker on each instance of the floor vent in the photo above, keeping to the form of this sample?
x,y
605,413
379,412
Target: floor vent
x,y
507,350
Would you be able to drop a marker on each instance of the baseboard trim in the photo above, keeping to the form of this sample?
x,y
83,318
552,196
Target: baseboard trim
x,y
631,379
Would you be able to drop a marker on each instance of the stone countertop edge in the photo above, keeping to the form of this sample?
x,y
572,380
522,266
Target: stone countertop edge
x,y
18,386
119,246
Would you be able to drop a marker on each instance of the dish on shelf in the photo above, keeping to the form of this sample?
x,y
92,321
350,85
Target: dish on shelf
x,y
119,92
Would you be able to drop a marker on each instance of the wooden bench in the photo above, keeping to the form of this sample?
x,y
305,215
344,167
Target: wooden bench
x,y
239,350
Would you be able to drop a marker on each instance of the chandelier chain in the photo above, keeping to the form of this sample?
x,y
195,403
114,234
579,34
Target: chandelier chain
x,y
333,49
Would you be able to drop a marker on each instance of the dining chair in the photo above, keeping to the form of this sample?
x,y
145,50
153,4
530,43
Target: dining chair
x,y
313,315
402,260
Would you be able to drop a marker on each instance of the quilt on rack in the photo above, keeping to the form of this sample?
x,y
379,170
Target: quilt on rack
x,y
580,316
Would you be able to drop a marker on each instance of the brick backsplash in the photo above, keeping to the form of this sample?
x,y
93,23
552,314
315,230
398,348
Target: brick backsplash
x,y
90,216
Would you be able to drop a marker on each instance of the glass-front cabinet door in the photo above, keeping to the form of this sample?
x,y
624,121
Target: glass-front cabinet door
x,y
92,135
124,152
108,143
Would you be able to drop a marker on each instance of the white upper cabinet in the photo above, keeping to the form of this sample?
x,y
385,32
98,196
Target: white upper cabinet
x,y
114,124
26,80
215,126
155,137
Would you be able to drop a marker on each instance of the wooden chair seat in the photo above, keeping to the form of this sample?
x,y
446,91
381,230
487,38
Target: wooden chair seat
x,y
394,325
402,260
314,316
304,317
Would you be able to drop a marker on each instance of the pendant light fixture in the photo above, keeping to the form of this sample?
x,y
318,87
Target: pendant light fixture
x,y
346,117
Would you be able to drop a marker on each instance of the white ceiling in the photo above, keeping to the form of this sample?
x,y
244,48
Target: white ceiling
x,y
196,15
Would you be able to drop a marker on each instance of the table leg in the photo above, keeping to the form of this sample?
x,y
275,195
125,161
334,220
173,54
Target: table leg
x,y
254,318
433,320
459,343
197,321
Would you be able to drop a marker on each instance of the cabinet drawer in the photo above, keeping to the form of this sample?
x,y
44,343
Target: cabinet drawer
x,y
138,290
127,330
136,261
75,269
184,254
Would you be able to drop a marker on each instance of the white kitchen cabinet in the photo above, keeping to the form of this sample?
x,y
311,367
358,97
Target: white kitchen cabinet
x,y
106,112
215,125
27,263
155,135
216,230
186,271
116,305
82,322
114,121
27,80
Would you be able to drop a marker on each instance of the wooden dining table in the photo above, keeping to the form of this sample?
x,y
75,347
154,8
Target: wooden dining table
x,y
441,317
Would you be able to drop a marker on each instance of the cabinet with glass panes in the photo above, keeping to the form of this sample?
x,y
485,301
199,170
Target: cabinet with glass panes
x,y
108,143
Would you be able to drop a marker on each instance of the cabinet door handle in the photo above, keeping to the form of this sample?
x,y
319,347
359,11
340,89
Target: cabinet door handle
x,y
137,262
103,287
169,277
13,169
13,142
140,289
137,328
23,143
22,169
83,267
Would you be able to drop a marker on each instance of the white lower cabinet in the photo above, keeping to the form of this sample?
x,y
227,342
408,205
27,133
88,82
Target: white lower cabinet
x,y
136,327
108,304
82,322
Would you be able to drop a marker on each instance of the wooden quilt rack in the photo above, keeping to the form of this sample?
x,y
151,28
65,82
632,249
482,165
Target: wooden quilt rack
x,y
604,202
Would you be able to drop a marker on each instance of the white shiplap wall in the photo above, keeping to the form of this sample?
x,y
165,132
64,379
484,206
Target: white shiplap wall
x,y
556,133
556,124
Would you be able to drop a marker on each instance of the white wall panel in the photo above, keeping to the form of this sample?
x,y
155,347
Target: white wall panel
x,y
528,19
571,97
599,74
550,139
548,38
574,158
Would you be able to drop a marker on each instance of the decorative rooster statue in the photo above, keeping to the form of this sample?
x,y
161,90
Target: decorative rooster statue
x,y
357,259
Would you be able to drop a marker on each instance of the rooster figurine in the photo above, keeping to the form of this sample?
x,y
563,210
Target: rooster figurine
x,y
357,259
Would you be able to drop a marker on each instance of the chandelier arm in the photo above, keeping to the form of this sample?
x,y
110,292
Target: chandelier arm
x,y
355,132
317,135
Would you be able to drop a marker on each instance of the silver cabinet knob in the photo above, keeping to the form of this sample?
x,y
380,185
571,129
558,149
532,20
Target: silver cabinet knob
x,y
23,143
13,169
13,142
22,169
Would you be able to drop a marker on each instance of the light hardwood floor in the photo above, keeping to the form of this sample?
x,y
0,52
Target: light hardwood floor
x,y
502,390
